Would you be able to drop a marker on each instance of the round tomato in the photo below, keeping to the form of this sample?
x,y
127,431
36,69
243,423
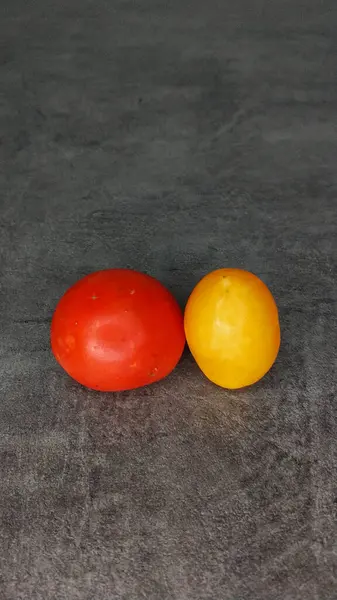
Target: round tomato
x,y
117,330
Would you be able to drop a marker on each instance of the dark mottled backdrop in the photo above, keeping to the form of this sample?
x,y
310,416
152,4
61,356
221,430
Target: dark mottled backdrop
x,y
172,137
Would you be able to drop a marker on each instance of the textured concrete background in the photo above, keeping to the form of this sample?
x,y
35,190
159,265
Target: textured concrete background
x,y
172,137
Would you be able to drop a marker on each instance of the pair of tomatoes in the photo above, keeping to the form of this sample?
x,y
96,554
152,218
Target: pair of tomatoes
x,y
120,329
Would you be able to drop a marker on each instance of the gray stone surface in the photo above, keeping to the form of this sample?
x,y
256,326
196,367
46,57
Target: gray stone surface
x,y
172,137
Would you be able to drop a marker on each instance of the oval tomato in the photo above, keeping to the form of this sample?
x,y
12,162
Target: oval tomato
x,y
232,327
117,330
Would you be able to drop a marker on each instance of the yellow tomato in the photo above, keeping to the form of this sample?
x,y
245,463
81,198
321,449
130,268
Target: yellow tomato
x,y
232,327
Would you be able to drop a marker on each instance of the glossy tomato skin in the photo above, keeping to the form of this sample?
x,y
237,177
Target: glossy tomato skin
x,y
117,330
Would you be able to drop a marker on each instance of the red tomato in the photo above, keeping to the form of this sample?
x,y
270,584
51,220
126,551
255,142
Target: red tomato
x,y
117,330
